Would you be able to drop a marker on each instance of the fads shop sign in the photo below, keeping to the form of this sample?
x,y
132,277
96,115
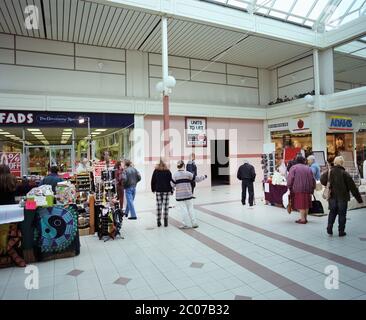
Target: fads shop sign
x,y
340,123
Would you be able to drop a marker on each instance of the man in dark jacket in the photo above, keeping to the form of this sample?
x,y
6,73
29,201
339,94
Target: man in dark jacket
x,y
246,174
192,168
130,178
341,184
52,179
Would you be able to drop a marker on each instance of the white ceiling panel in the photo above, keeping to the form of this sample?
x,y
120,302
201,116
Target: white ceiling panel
x,y
261,52
349,69
98,24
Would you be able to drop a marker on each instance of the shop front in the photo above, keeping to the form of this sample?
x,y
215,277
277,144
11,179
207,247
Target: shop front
x,y
35,141
340,136
291,136
51,214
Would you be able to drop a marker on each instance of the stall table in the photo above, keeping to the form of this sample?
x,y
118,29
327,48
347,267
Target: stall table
x,y
275,194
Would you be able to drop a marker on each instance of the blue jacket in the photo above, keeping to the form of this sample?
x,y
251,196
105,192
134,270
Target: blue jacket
x,y
52,180
316,171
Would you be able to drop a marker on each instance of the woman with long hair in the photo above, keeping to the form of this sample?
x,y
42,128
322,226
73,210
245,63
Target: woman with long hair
x,y
7,185
160,184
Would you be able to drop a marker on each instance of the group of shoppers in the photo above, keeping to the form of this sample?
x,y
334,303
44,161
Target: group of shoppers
x,y
301,182
183,182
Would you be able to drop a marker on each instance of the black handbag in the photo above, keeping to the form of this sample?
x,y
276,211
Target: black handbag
x,y
316,207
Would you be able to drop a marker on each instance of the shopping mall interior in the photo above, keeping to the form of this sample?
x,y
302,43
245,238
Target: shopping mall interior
x,y
99,99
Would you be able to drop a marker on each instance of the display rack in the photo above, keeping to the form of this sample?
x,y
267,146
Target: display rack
x,y
83,186
268,165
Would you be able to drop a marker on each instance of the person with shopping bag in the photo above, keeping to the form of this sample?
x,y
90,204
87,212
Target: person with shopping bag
x,y
339,184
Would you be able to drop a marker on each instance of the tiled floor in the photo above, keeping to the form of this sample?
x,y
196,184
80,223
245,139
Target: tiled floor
x,y
236,253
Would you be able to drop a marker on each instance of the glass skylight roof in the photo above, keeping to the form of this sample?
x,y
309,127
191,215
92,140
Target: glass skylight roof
x,y
321,15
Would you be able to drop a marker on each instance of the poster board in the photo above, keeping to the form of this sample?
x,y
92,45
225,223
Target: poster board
x,y
320,158
196,132
13,160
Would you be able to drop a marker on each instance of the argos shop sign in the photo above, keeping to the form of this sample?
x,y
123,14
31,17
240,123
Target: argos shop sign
x,y
340,123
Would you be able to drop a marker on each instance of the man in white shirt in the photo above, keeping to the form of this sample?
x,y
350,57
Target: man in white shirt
x,y
83,166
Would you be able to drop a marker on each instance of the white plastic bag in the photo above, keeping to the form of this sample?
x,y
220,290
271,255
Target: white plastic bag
x,y
285,198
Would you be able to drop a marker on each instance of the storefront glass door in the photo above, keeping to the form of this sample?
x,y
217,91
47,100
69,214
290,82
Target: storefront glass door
x,y
40,158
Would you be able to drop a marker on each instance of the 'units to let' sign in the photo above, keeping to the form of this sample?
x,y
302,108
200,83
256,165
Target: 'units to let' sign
x,y
196,132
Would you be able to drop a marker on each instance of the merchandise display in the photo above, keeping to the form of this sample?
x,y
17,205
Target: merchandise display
x,y
65,193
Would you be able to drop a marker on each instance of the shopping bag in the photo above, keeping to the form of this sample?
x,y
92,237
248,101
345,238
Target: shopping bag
x,y
286,201
316,207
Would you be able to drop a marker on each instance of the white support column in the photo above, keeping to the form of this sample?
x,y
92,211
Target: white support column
x,y
319,131
326,71
164,52
138,148
316,72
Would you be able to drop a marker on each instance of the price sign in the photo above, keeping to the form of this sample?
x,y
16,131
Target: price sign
x,y
13,160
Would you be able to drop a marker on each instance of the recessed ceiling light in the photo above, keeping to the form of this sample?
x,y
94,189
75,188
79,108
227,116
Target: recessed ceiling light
x,y
33,130
95,133
101,130
9,135
68,130
4,133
